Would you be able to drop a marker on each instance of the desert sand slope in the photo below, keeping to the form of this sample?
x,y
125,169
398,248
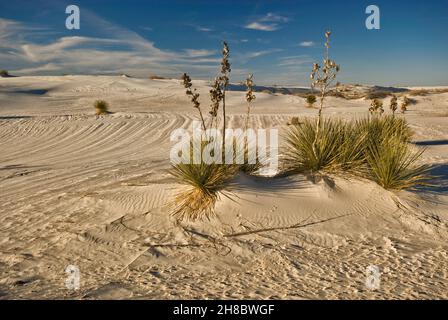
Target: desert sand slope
x,y
78,189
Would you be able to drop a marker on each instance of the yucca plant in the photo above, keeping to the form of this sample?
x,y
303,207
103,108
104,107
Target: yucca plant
x,y
308,150
380,128
101,107
393,165
204,184
351,152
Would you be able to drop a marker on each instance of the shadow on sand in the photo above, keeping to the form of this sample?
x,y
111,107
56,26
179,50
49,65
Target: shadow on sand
x,y
14,117
439,183
431,143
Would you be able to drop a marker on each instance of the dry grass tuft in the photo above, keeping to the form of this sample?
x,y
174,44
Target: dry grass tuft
x,y
101,107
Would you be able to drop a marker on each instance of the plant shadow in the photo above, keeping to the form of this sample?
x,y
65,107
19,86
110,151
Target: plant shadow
x,y
431,143
439,181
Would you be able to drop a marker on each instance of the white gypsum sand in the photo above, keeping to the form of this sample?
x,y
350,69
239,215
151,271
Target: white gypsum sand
x,y
91,191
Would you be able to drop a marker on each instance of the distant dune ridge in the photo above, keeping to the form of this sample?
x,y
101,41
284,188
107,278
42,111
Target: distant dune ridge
x,y
91,191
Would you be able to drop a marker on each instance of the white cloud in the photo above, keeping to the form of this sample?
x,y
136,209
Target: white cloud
x,y
262,27
204,29
307,44
269,22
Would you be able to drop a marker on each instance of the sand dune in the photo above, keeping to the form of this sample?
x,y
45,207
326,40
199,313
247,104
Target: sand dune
x,y
92,191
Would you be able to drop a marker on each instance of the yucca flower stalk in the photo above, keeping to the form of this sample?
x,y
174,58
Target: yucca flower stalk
x,y
404,104
393,104
376,107
322,78
194,96
249,96
224,79
216,97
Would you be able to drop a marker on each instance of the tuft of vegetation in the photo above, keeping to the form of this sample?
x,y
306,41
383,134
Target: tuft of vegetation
x,y
378,95
393,165
101,107
380,128
4,73
205,185
157,77
376,147
311,100
309,150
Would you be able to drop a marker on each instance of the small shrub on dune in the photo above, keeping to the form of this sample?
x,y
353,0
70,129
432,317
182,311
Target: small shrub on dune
x,y
311,100
101,107
4,73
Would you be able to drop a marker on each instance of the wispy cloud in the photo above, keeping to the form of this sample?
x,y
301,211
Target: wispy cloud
x,y
123,52
245,57
294,61
200,52
307,44
204,29
269,22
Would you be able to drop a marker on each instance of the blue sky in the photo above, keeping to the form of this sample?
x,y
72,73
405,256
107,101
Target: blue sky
x,y
275,40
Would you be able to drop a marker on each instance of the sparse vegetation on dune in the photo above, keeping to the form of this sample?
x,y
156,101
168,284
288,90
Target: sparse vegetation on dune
x,y
4,73
157,77
424,92
101,107
376,147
